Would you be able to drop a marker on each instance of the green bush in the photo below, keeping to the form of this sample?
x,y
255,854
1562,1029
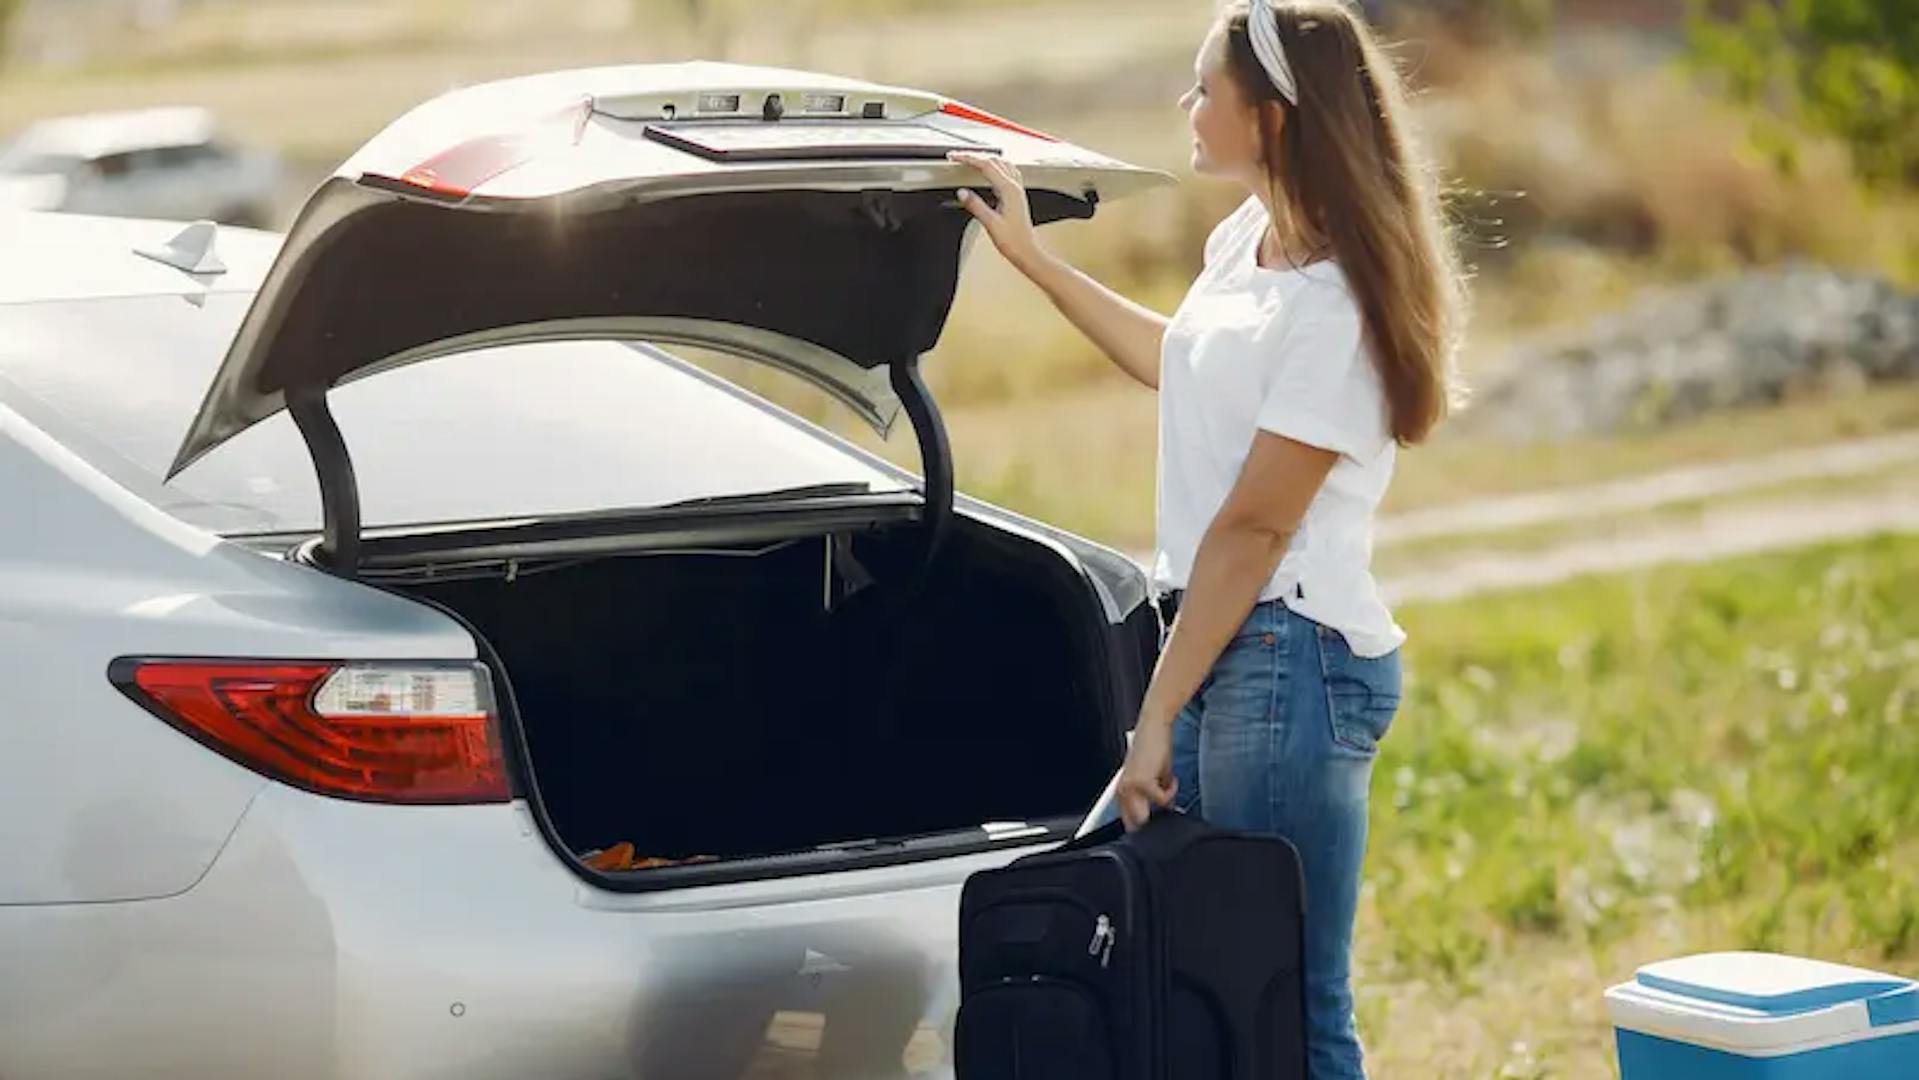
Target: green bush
x,y
1847,67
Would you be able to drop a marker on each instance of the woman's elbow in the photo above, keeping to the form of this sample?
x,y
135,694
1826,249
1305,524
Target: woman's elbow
x,y
1261,534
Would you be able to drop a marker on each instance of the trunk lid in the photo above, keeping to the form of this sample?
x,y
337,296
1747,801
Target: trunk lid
x,y
808,217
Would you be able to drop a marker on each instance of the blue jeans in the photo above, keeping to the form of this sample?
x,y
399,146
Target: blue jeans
x,y
1280,739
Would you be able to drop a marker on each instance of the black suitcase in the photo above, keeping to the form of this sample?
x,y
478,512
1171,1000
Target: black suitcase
x,y
1173,953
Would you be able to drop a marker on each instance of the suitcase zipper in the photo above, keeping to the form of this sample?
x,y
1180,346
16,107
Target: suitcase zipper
x,y
1155,979
1104,936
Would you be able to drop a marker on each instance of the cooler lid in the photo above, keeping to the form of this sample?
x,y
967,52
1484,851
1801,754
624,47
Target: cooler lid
x,y
1766,982
1763,1004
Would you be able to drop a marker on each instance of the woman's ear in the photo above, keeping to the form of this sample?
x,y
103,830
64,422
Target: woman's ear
x,y
1272,115
1267,121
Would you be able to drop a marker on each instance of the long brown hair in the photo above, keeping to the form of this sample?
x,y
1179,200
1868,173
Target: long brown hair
x,y
1347,177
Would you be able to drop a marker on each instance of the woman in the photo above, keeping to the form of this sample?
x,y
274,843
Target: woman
x,y
1316,341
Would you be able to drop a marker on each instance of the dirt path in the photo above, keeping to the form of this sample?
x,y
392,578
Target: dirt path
x,y
1717,534
1646,492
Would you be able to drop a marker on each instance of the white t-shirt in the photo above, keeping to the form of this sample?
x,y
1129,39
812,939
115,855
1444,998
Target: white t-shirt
x,y
1254,348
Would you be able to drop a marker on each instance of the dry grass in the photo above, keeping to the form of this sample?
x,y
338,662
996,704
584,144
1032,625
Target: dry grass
x,y
1648,166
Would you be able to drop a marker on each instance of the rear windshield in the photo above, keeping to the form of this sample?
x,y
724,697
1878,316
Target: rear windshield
x,y
522,430
29,163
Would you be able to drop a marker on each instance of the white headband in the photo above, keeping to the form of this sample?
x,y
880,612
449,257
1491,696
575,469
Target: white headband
x,y
1262,26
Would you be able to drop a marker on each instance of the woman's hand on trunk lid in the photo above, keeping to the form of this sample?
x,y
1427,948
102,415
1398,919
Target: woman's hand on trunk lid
x,y
1010,226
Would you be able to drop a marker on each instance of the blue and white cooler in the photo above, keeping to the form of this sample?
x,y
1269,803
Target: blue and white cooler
x,y
1758,1016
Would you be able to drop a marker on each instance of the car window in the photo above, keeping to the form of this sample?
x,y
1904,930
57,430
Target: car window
x,y
114,166
543,428
183,157
22,163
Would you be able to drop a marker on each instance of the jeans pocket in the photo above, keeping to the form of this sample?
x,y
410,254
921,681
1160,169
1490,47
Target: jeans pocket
x,y
1362,693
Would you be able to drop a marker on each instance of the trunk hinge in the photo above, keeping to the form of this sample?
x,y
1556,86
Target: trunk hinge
x,y
339,548
936,455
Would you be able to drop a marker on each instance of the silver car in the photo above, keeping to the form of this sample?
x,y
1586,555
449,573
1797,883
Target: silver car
x,y
416,666
170,162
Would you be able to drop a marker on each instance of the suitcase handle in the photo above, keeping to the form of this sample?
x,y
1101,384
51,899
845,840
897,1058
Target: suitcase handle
x,y
1115,829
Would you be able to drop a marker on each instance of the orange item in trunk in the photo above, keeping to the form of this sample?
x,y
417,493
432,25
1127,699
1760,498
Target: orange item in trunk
x,y
617,857
621,858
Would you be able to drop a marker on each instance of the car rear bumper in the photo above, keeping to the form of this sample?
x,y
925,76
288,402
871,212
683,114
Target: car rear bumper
x,y
338,939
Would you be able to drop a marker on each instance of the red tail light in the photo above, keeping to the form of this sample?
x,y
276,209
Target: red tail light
x,y
460,169
401,733
967,112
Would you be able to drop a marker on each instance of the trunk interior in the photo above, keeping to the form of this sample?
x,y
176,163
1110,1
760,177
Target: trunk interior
x,y
709,704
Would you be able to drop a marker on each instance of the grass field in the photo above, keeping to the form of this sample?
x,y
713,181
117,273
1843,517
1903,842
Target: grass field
x,y
1602,773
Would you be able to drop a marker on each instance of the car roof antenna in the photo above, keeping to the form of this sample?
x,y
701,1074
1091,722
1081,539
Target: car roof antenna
x,y
191,250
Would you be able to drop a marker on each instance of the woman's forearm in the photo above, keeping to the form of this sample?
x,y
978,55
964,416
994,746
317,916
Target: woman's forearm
x,y
1128,333
1232,565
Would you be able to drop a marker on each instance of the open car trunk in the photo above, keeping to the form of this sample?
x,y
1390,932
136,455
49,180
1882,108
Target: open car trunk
x,y
717,705
944,676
